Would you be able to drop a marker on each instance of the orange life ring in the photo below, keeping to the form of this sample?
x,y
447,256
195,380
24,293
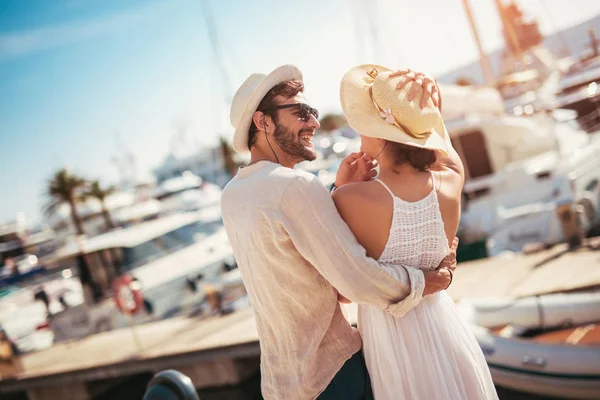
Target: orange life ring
x,y
128,294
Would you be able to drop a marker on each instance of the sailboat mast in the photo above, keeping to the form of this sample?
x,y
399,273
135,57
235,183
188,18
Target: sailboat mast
x,y
483,58
510,30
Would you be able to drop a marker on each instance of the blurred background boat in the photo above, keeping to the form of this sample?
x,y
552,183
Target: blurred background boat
x,y
545,345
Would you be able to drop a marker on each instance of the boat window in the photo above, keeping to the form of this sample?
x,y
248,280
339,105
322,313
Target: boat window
x,y
591,185
170,241
472,149
160,246
141,254
198,230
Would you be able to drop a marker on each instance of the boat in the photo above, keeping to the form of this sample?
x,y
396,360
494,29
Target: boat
x,y
536,312
124,208
563,363
544,345
27,289
579,90
20,247
169,258
516,161
26,305
187,192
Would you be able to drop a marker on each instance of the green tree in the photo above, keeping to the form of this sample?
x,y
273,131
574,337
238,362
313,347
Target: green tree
x,y
229,162
67,188
331,122
100,193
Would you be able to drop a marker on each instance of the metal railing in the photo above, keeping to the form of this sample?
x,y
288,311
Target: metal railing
x,y
591,121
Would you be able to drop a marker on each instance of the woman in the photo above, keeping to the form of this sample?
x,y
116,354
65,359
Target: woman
x,y
409,216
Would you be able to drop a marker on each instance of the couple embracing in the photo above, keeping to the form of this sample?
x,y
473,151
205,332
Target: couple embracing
x,y
382,236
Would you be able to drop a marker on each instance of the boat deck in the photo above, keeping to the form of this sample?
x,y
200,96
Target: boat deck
x,y
519,275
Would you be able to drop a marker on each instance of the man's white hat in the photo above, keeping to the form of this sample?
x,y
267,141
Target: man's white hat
x,y
248,97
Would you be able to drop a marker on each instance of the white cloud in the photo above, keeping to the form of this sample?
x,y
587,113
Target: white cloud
x,y
21,43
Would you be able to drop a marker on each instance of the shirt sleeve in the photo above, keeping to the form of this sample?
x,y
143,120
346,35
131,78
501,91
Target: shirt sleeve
x,y
319,233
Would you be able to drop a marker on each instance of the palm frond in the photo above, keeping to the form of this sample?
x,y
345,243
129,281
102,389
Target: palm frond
x,y
61,188
99,192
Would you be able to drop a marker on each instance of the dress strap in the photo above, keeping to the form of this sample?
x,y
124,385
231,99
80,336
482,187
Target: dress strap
x,y
386,187
432,180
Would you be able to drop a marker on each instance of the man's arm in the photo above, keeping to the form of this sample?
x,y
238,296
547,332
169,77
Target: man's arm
x,y
323,239
353,202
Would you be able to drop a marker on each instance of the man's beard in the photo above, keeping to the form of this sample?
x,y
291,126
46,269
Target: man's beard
x,y
291,145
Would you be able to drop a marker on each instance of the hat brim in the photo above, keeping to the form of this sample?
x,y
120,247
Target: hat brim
x,y
364,118
281,74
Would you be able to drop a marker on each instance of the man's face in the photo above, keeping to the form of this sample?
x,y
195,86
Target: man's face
x,y
293,135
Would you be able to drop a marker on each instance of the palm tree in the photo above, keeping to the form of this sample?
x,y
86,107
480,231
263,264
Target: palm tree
x,y
96,191
64,187
229,162
331,122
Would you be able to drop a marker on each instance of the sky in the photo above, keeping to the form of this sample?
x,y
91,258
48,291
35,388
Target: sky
x,y
85,83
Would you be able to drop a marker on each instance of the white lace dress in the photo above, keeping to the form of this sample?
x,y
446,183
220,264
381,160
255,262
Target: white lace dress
x,y
427,354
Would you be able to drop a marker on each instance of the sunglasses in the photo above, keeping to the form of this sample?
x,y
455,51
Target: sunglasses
x,y
305,110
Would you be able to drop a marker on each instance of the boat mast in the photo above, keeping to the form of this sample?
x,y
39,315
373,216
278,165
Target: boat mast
x,y
511,35
483,58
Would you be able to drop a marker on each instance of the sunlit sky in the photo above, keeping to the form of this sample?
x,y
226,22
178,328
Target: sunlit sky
x,y
83,81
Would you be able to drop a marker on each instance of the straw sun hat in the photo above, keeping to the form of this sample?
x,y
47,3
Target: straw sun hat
x,y
248,97
375,108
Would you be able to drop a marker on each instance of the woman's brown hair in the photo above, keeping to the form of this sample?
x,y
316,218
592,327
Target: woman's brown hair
x,y
419,158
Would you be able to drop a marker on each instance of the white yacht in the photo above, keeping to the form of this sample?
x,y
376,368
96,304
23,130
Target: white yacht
x,y
187,192
169,258
517,170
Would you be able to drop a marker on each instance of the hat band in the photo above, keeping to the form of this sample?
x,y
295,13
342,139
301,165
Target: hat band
x,y
387,115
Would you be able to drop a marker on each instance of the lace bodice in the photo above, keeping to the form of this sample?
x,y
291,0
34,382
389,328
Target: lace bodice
x,y
417,238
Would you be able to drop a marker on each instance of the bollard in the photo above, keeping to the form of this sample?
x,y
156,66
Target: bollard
x,y
171,385
570,223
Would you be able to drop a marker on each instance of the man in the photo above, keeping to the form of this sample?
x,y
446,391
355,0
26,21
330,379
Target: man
x,y
295,252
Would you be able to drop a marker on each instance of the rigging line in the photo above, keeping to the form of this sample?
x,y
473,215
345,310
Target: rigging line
x,y
371,16
359,42
233,57
214,41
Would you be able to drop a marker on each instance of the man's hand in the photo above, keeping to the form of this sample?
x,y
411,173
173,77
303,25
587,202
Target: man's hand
x,y
357,167
436,280
450,260
440,278
429,85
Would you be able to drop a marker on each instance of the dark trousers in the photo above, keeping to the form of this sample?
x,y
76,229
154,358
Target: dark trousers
x,y
351,382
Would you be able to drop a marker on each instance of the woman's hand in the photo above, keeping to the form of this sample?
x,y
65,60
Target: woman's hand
x,y
430,87
357,167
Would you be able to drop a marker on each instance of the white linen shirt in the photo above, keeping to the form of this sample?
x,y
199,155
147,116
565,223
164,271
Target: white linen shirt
x,y
294,250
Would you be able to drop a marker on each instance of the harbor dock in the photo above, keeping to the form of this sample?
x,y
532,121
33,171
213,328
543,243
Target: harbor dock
x,y
224,351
